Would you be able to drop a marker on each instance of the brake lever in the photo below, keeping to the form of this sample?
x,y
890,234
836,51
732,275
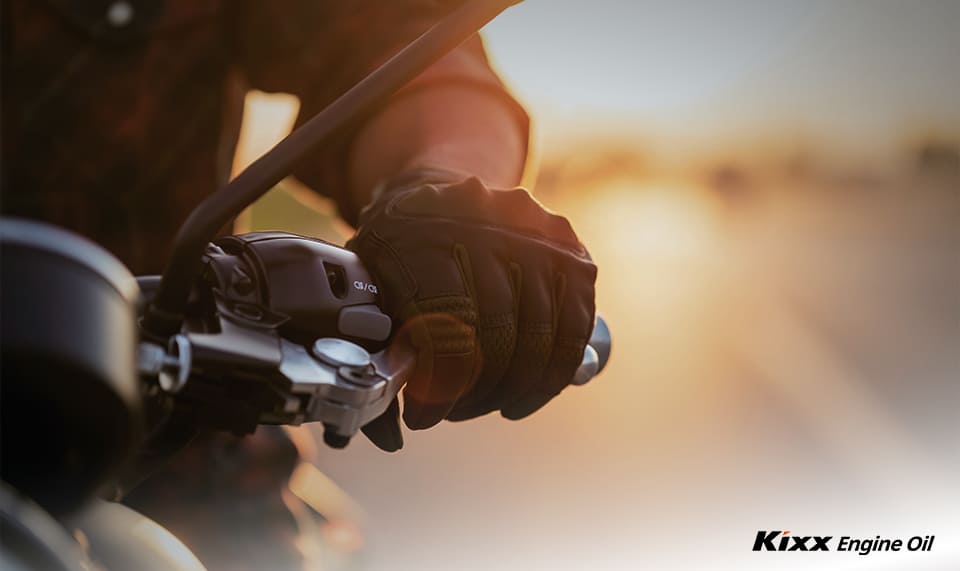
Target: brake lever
x,y
335,382
364,385
349,387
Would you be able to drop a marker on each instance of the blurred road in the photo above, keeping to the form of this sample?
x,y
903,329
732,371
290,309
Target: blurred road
x,y
786,356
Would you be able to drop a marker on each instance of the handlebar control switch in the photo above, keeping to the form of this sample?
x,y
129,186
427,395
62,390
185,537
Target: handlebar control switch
x,y
313,288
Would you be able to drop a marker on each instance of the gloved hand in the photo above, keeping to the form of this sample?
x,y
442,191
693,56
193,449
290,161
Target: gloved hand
x,y
494,294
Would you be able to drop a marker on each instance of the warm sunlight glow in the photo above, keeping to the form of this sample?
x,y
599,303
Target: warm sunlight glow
x,y
267,118
651,220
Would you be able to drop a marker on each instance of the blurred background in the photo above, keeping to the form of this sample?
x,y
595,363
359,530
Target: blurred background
x,y
771,191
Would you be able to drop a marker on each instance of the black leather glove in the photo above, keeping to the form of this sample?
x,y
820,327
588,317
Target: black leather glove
x,y
493,293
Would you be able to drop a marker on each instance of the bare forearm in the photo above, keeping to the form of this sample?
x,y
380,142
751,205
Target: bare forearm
x,y
450,127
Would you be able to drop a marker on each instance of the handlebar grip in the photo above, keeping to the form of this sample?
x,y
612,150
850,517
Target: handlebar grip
x,y
595,355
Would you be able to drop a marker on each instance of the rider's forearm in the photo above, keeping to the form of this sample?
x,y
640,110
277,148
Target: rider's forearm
x,y
453,127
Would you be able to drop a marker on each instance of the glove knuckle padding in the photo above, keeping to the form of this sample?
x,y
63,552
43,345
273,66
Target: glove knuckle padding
x,y
472,203
493,291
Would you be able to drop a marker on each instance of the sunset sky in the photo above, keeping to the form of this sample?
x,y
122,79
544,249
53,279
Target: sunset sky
x,y
678,80
863,76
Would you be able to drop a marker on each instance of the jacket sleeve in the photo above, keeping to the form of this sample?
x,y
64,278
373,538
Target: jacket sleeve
x,y
317,50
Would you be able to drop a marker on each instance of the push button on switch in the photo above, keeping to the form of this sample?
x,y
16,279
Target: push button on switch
x,y
364,322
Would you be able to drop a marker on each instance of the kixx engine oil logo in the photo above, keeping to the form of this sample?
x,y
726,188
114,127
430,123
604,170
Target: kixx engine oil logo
x,y
780,540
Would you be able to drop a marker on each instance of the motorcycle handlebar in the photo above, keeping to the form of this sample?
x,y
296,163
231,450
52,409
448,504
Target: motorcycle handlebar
x,y
292,343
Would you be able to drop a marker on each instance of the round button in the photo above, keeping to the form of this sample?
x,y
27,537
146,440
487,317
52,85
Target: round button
x,y
340,353
120,13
